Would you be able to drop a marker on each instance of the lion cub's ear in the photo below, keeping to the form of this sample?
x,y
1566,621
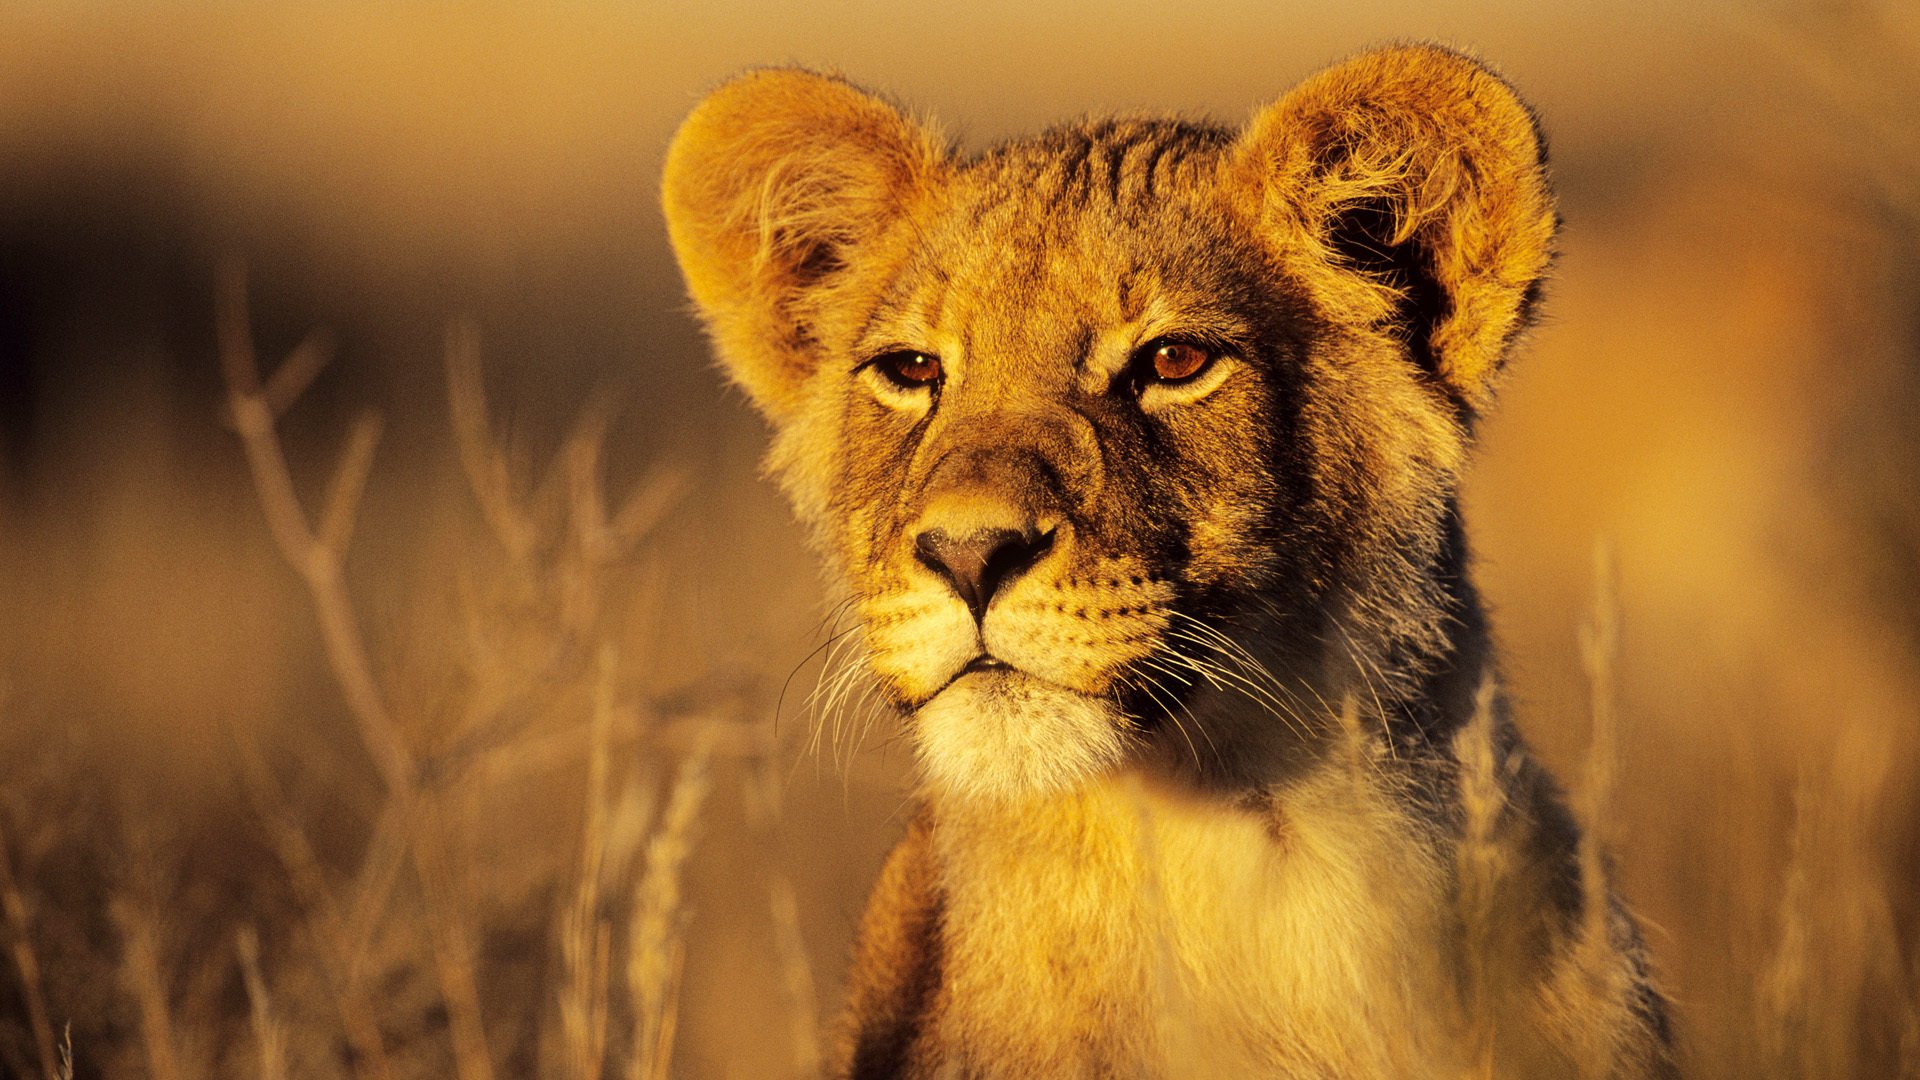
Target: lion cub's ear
x,y
1407,187
772,186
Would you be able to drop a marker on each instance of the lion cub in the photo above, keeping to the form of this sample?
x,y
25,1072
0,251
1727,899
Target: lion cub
x,y
1137,445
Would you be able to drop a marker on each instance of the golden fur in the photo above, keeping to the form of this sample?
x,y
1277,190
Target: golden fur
x,y
1188,653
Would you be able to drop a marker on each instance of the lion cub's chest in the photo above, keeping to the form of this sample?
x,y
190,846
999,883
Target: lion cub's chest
x,y
1130,931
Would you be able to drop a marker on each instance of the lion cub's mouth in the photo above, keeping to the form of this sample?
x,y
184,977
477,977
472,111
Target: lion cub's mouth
x,y
985,664
999,732
1018,699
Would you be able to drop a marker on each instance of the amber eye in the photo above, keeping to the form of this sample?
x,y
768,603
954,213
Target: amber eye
x,y
909,370
1177,361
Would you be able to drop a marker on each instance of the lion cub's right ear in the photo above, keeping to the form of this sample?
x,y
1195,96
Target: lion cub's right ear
x,y
774,184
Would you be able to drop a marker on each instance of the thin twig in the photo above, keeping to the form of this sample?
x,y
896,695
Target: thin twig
x,y
315,559
298,371
406,826
349,484
488,476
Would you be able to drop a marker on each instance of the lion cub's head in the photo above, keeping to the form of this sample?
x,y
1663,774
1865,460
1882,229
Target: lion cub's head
x,y
1136,437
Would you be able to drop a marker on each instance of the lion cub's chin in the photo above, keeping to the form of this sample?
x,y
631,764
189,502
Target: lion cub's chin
x,y
1005,736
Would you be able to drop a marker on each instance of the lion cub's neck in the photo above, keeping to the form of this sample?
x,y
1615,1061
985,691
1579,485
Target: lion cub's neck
x,y
1130,929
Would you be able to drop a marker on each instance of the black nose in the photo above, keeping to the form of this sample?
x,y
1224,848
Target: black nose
x,y
979,562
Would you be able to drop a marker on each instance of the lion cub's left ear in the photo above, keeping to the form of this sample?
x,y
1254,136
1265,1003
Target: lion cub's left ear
x,y
778,181
1407,188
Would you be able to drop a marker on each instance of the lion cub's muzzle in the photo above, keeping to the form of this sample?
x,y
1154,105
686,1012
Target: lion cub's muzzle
x,y
1003,633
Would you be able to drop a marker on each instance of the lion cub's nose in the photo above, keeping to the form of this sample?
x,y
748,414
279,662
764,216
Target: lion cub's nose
x,y
977,563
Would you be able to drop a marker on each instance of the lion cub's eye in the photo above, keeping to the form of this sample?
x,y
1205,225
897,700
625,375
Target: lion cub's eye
x,y
1178,361
904,379
1173,371
909,370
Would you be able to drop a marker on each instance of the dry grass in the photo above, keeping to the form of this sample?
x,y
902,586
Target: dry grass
x,y
380,961
267,1032
26,963
413,931
1840,995
1482,860
383,947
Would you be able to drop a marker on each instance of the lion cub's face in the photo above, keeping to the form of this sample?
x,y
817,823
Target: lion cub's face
x,y
1100,423
1057,417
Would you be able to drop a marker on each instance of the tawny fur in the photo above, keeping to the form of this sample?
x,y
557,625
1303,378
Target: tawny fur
x,y
1216,779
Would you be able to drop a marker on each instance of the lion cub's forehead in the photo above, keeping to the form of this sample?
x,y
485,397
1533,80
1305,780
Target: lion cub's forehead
x,y
1124,163
1038,248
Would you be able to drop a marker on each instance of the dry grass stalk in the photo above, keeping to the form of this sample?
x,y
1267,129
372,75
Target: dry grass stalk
x,y
796,972
1599,652
26,961
140,976
268,1034
1593,961
656,948
335,942
586,937
1785,991
561,545
627,827
796,976
452,941
597,540
1837,999
1482,866
380,870
591,548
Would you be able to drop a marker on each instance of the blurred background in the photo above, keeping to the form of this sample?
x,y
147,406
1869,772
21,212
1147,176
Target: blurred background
x,y
625,835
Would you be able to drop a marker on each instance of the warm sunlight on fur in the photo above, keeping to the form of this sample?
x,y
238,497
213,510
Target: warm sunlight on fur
x,y
1161,929
1137,445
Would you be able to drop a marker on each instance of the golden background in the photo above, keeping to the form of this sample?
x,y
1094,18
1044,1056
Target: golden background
x,y
1722,394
